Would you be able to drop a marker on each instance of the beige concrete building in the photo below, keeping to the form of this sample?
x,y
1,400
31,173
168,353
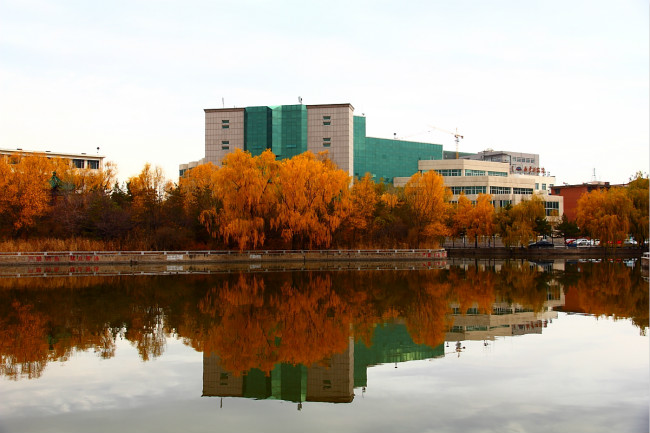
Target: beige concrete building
x,y
224,132
474,177
78,160
331,128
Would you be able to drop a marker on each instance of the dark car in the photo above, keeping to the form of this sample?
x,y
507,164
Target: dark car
x,y
541,244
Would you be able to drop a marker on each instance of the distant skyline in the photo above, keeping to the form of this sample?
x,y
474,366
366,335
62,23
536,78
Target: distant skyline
x,y
566,80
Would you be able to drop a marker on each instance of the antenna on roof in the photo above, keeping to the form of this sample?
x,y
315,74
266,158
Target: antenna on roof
x,y
223,103
300,100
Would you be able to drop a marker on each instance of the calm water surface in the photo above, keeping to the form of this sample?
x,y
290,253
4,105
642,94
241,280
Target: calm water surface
x,y
477,347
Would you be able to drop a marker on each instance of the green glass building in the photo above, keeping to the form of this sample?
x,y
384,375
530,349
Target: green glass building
x,y
289,130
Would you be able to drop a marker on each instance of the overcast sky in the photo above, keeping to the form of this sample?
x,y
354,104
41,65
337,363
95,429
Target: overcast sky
x,y
565,79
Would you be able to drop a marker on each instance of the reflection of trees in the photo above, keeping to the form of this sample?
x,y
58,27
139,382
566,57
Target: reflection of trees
x,y
259,320
523,284
609,289
23,346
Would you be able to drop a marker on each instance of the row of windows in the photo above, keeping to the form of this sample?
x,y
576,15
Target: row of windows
x,y
458,172
468,190
225,124
449,172
500,190
522,159
327,142
522,191
327,120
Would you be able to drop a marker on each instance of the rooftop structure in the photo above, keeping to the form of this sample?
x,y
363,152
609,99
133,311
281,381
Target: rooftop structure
x,y
520,163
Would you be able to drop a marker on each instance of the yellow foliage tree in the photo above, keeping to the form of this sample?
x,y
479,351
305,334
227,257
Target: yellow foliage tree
x,y
244,186
427,199
363,203
197,187
461,217
605,214
313,199
639,193
25,190
148,190
481,218
516,224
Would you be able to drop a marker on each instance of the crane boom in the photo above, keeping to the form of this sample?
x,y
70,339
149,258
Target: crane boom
x,y
456,135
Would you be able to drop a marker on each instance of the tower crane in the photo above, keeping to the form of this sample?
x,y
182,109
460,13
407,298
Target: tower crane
x,y
456,135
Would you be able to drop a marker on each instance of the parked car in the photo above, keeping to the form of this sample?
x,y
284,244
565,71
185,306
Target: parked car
x,y
582,242
541,244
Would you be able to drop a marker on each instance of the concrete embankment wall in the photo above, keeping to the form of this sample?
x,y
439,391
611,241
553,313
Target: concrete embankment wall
x,y
85,258
548,253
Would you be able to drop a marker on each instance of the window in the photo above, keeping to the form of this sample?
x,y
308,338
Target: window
x,y
78,163
225,147
474,172
225,124
449,172
552,208
522,191
327,120
327,142
500,190
543,187
93,165
497,173
537,186
468,190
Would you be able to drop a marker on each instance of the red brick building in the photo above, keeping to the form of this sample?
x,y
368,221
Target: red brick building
x,y
572,193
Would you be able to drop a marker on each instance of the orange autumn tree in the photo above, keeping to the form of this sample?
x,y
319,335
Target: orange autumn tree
x,y
149,189
427,200
605,215
24,182
461,217
516,224
244,185
313,198
363,203
638,191
481,218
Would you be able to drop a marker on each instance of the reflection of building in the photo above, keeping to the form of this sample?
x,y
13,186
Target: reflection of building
x,y
78,160
391,343
505,320
332,382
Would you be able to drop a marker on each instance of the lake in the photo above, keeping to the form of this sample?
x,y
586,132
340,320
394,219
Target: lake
x,y
461,346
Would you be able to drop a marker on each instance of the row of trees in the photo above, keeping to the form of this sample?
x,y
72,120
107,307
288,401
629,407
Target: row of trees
x,y
257,201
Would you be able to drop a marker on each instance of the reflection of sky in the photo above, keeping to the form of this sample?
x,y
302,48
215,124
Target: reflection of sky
x,y
580,375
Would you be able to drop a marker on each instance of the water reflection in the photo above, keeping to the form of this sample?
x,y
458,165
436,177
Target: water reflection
x,y
302,336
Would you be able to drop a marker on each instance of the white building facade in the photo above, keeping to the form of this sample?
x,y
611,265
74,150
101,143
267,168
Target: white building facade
x,y
474,177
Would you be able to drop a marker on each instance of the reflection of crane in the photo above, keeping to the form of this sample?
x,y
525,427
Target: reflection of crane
x,y
456,135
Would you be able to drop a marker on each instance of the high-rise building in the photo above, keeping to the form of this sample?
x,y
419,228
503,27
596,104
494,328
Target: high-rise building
x,y
289,130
